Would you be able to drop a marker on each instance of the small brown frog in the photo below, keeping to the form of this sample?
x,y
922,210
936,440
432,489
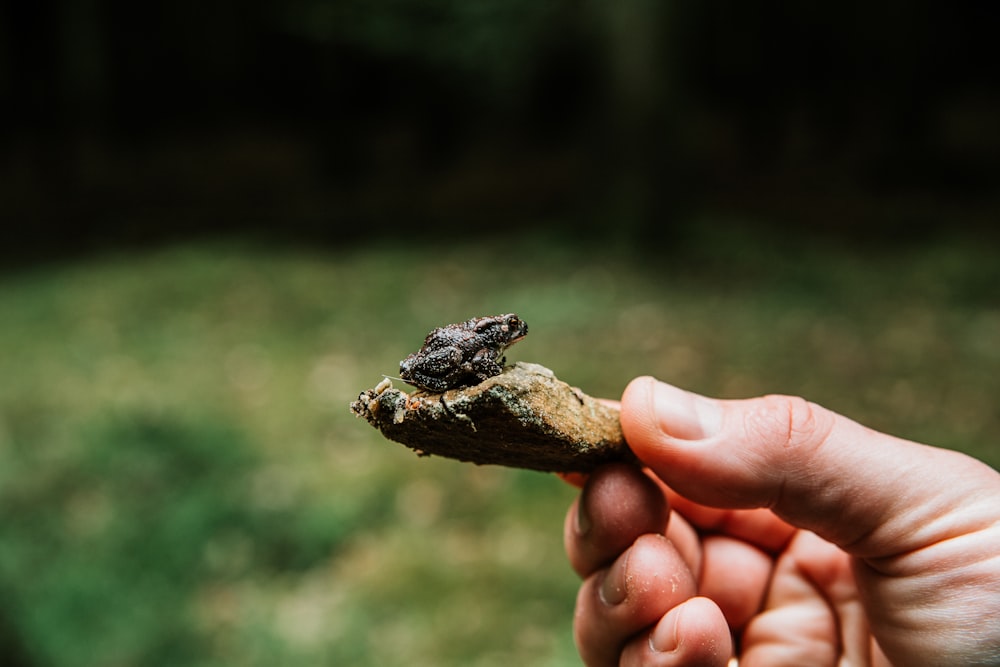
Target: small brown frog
x,y
463,354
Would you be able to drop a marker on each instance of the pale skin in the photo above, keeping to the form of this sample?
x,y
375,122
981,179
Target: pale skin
x,y
780,533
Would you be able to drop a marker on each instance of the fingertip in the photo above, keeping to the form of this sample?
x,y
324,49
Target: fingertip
x,y
667,429
624,601
653,410
618,504
703,448
692,633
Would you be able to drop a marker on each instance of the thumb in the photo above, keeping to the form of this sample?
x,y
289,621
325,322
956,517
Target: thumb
x,y
870,493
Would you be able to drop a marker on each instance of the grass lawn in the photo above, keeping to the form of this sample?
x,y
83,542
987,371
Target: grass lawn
x,y
181,482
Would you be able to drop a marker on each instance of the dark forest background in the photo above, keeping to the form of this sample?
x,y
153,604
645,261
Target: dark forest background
x,y
131,122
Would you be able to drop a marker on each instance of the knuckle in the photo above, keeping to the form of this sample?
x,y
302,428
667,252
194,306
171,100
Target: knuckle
x,y
790,423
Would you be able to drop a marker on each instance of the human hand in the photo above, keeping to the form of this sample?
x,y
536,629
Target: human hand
x,y
809,538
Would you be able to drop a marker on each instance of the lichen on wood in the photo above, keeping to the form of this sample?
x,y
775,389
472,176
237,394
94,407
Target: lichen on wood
x,y
525,418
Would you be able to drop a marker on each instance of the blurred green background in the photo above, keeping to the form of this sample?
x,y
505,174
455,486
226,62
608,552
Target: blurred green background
x,y
223,220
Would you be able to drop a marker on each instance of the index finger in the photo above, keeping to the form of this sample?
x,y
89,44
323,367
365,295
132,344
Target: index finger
x,y
759,527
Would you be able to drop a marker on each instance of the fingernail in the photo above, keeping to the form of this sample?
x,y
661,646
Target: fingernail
x,y
613,590
682,414
582,517
663,638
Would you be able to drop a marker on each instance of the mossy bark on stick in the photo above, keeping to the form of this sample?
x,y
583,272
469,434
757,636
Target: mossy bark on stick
x,y
525,418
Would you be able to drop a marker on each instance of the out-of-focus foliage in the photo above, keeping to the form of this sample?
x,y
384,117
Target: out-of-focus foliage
x,y
181,482
492,42
315,119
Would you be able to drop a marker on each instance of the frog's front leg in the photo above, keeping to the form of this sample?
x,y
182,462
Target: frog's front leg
x,y
484,364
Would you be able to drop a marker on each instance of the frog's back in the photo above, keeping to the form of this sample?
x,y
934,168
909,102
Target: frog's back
x,y
447,337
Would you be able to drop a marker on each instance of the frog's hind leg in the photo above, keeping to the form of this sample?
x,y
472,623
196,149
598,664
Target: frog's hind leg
x,y
429,383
